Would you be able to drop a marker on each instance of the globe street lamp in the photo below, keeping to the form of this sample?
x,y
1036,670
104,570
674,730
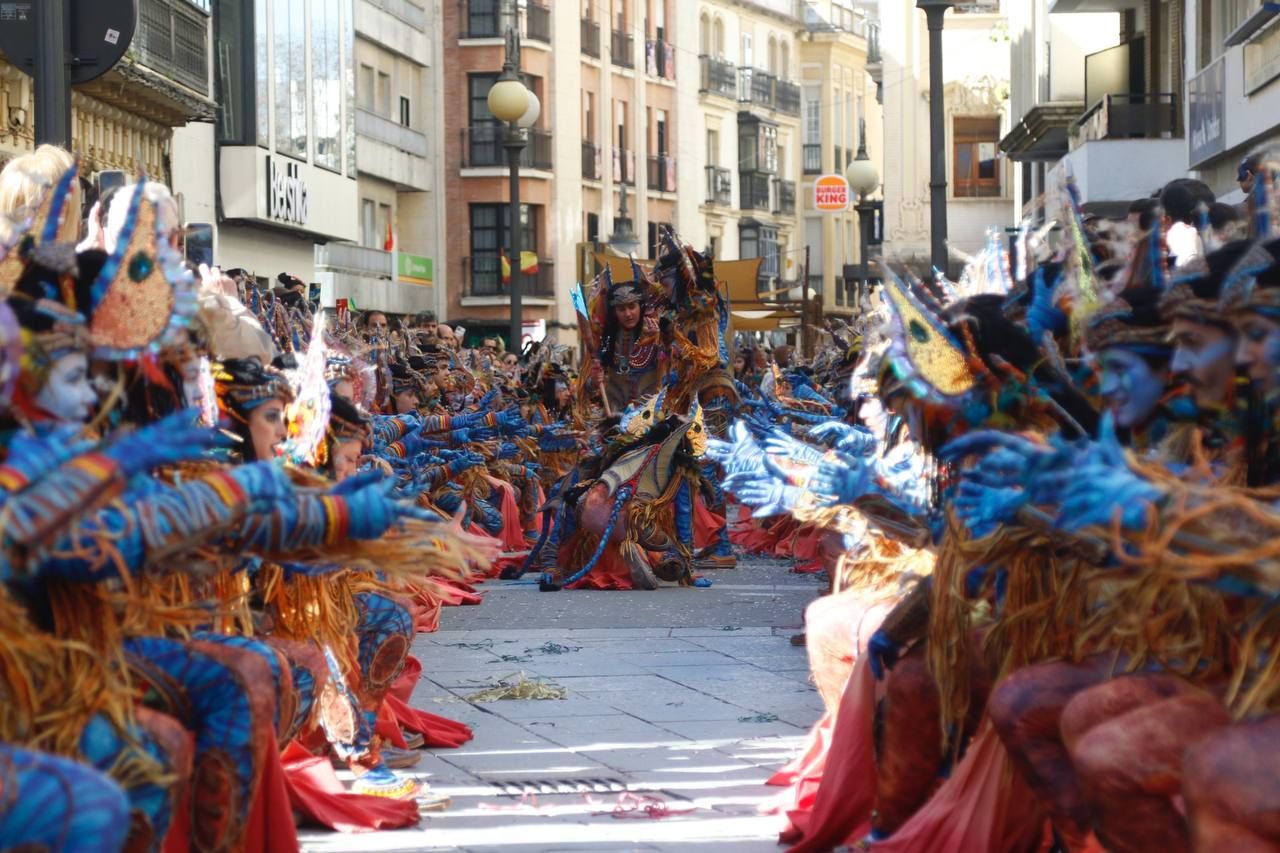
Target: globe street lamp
x,y
934,11
864,180
511,102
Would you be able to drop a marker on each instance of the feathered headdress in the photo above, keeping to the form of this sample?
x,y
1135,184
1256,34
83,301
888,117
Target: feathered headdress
x,y
143,291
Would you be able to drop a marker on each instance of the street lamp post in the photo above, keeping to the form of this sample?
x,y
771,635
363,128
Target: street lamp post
x,y
934,10
511,102
623,239
863,179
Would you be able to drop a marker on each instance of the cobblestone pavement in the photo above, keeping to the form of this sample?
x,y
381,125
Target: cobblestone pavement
x,y
693,697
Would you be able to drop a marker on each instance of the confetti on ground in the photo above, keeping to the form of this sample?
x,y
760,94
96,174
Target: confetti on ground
x,y
759,718
518,686
550,648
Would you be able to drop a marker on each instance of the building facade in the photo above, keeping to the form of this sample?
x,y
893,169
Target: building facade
x,y
976,74
1097,99
750,108
395,264
839,79
605,73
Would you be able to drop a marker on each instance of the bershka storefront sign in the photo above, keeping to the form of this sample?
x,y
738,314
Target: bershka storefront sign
x,y
287,196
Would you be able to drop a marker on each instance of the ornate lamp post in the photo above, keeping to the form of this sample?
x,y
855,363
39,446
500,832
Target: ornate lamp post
x,y
934,10
511,102
863,179
623,240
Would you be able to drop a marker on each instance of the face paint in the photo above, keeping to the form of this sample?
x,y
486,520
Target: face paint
x,y
1205,356
267,428
67,394
1258,348
1131,388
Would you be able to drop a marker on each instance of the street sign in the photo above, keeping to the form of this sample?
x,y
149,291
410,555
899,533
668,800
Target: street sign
x,y
101,32
831,193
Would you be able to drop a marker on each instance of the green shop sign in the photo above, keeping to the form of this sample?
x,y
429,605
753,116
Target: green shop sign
x,y
414,269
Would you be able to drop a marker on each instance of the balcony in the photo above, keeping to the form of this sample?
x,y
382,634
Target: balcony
x,y
624,167
621,48
719,186
482,20
1119,149
660,60
756,191
756,87
484,146
590,35
391,151
482,276
1132,116
662,173
172,39
592,168
355,259
537,25
787,97
786,199
718,77
812,155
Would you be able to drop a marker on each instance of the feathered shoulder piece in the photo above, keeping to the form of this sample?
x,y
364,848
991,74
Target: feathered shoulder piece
x,y
143,291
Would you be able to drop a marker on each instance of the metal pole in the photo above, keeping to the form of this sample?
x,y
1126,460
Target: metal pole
x,y
515,144
52,78
938,142
805,349
863,241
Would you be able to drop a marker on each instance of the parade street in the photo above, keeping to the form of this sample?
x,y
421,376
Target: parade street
x,y
686,699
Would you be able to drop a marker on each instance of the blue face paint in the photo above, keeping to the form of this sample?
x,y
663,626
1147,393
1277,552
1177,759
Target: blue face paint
x,y
1129,385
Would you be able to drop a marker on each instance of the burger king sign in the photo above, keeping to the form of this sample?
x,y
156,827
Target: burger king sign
x,y
831,193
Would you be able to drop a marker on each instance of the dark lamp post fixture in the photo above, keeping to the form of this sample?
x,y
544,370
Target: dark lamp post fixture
x,y
511,102
934,10
623,239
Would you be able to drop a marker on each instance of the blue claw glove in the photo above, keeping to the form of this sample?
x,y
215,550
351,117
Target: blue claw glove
x,y
355,484
842,480
1043,315
984,508
373,510
169,440
882,654
718,451
507,450
778,443
856,440
487,400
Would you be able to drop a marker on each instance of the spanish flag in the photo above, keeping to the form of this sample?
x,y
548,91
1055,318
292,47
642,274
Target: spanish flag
x,y
528,265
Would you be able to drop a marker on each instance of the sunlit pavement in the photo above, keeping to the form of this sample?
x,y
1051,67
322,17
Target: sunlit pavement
x,y
689,697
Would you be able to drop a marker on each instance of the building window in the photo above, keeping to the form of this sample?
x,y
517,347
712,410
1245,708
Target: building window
x,y
478,111
975,165
384,226
234,97
289,28
717,37
405,117
366,87
326,82
757,147
758,241
713,147
704,34
368,224
589,116
593,228
384,95
490,240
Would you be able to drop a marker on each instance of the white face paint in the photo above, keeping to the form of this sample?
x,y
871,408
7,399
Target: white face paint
x,y
67,394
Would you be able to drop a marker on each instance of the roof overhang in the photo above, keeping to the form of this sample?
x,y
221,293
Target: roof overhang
x,y
1041,136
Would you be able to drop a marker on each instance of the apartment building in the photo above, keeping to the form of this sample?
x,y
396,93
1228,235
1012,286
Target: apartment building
x,y
840,109
395,265
976,78
606,74
1097,98
750,105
